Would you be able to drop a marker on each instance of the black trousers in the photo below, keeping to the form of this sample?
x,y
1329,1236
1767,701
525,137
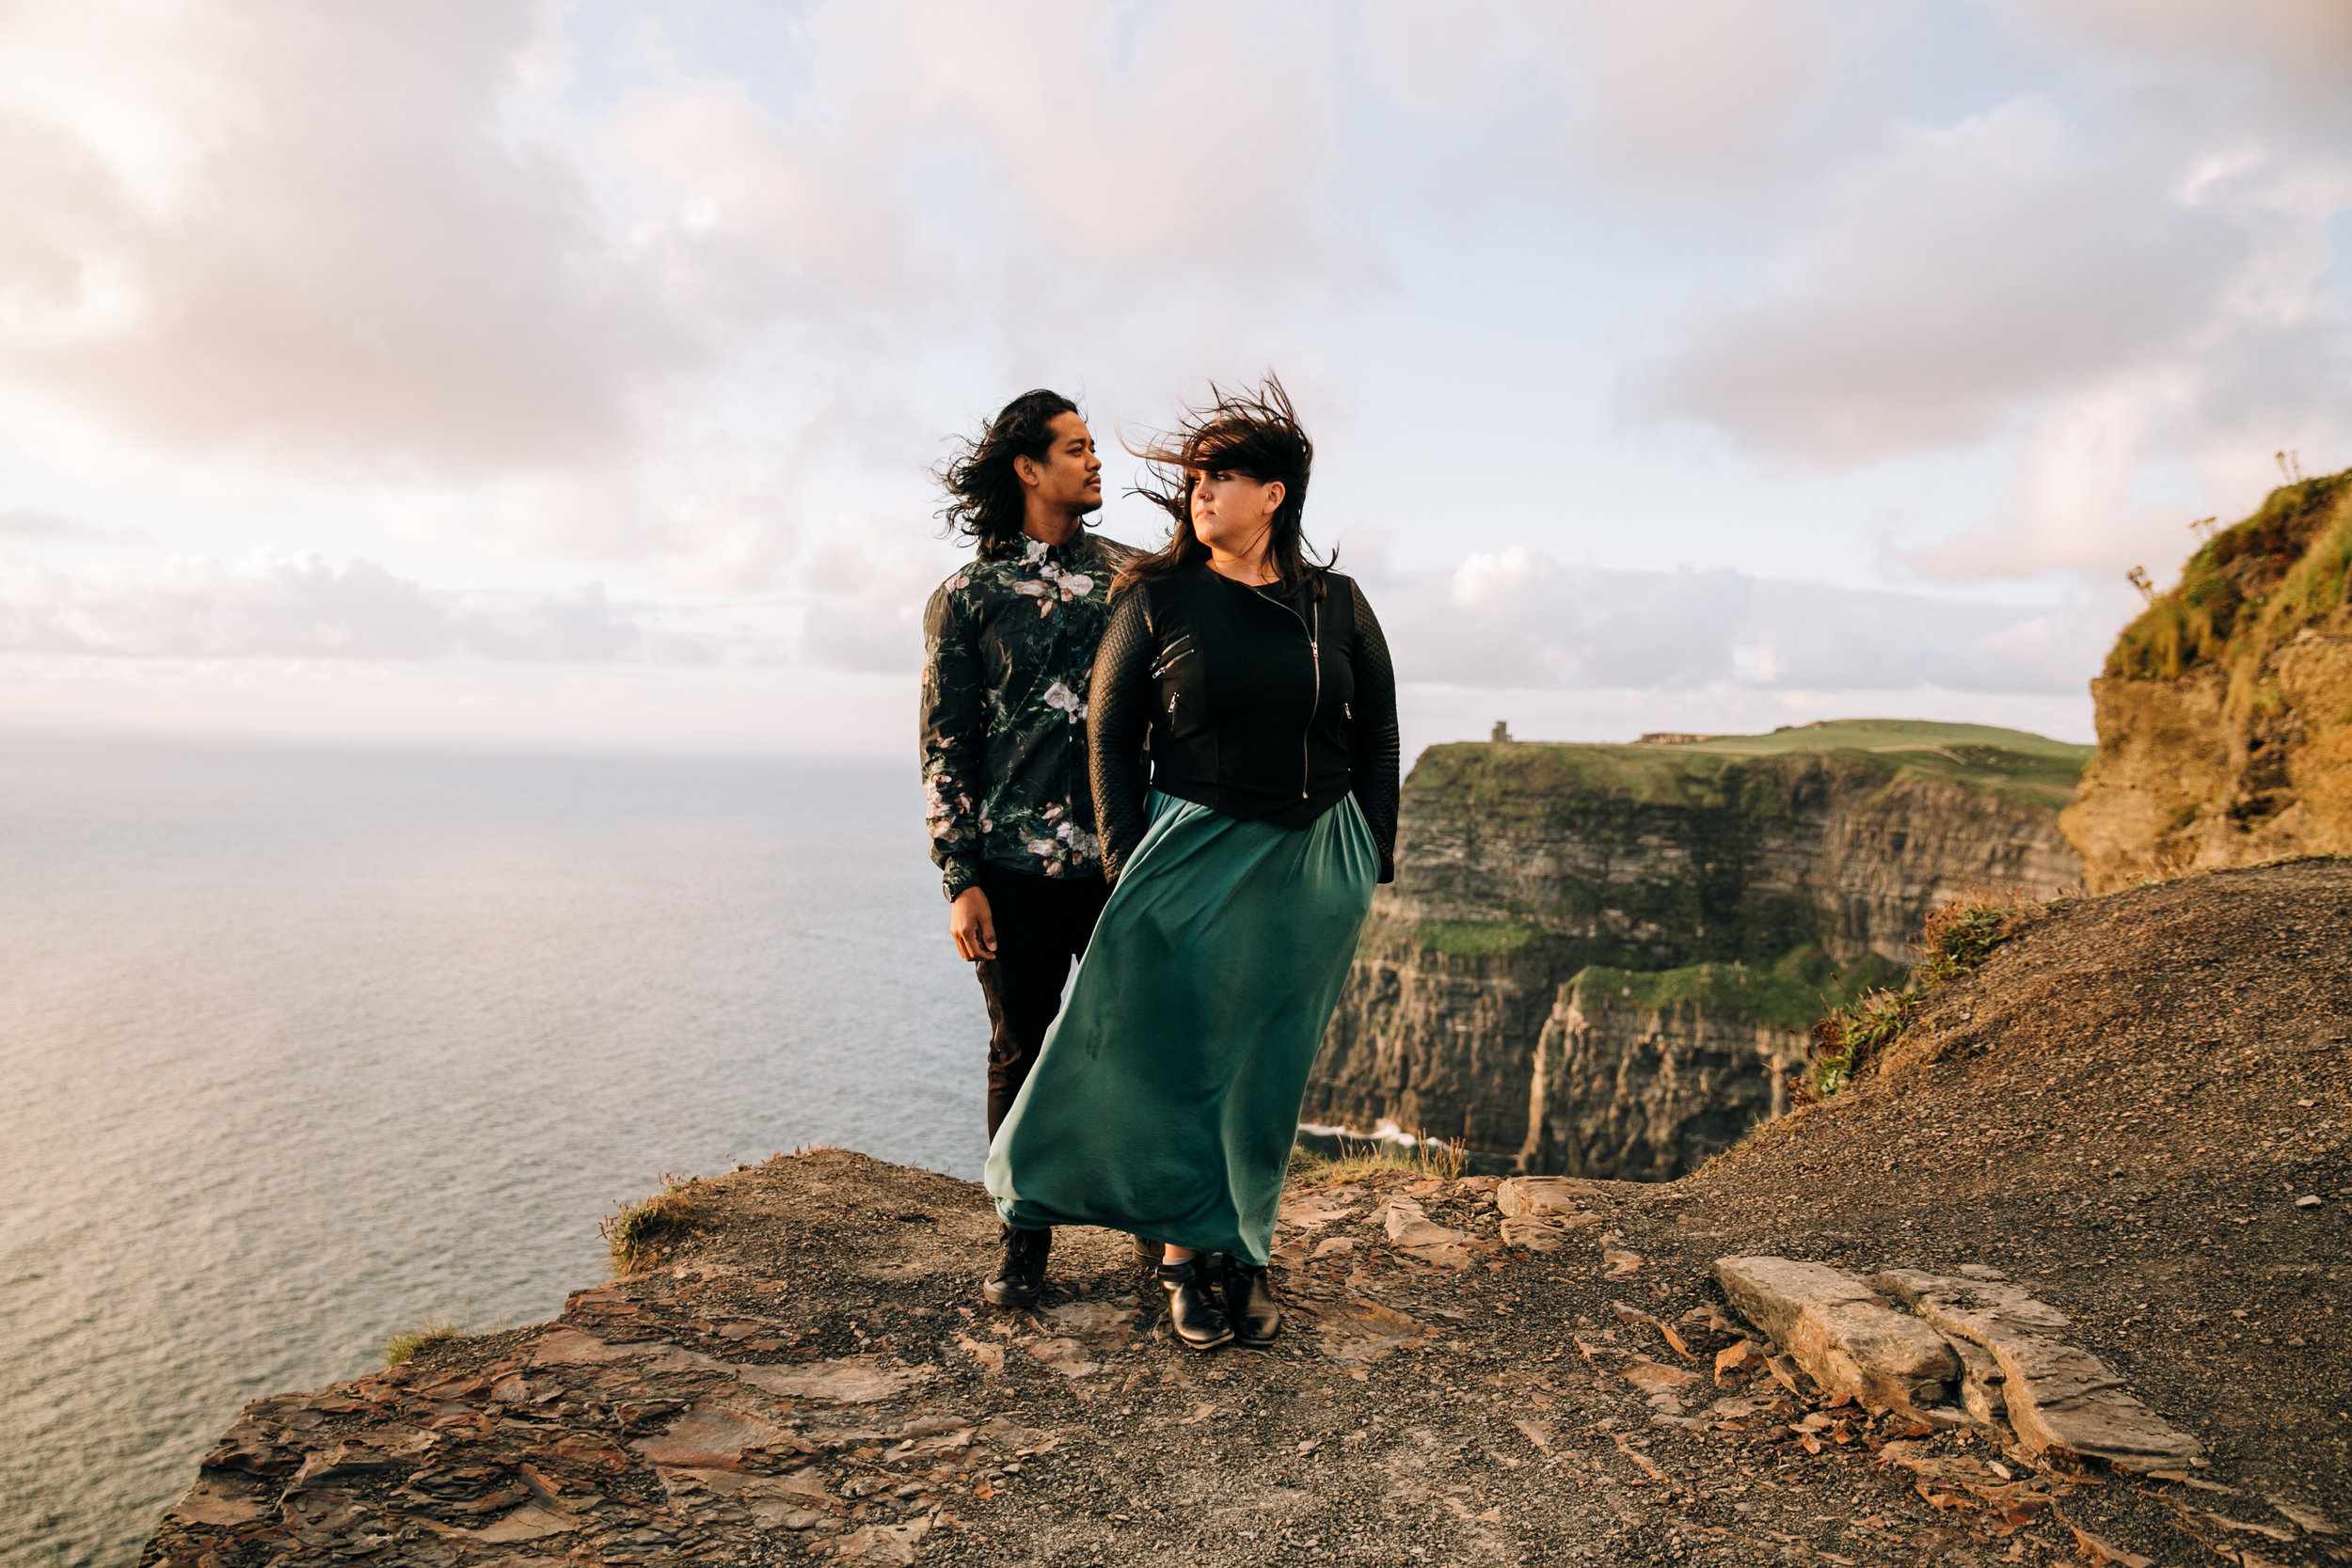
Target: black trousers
x,y
1042,923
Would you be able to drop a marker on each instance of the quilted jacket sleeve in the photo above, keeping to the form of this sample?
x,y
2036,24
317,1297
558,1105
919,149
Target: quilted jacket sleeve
x,y
1374,751
1119,722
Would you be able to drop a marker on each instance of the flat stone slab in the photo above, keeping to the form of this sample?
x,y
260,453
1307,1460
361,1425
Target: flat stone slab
x,y
1541,1194
1850,1339
2059,1397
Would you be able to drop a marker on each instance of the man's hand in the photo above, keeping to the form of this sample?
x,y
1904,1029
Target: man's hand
x,y
973,925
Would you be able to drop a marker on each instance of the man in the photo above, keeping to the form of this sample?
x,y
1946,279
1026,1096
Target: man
x,y
1009,645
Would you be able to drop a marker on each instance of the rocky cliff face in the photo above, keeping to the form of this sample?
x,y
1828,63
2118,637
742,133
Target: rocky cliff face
x,y
1596,959
2225,713
1647,1089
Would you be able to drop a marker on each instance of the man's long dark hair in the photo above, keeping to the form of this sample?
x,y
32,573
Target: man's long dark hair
x,y
985,500
1254,433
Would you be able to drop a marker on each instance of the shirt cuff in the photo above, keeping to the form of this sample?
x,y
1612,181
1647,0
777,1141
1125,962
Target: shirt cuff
x,y
957,875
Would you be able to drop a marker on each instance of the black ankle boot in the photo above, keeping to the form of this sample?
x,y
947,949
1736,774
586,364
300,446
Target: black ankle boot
x,y
1192,1310
1251,1303
1021,1272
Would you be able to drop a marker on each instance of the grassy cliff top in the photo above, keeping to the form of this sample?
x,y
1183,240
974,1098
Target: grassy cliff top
x,y
2009,762
2249,588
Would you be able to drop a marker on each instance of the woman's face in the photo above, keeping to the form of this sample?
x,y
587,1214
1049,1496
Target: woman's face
x,y
1232,513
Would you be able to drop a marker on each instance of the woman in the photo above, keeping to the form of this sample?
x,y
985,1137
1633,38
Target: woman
x,y
1166,1099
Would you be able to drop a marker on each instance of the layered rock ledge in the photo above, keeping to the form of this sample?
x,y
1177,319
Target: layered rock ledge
x,y
2133,1118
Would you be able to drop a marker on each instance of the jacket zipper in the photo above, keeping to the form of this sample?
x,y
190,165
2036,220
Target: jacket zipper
x,y
1314,655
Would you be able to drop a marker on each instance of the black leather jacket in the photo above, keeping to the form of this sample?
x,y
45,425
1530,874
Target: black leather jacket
x,y
1261,707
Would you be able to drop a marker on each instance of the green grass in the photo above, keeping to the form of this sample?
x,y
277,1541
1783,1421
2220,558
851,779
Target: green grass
x,y
2247,589
1698,773
1475,938
1886,735
1791,993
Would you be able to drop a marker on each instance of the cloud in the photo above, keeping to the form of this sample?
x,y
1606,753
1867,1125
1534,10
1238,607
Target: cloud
x,y
1966,274
307,608
312,236
1518,620
2304,46
24,522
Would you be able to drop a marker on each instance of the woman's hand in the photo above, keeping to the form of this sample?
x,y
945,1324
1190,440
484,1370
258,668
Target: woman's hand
x,y
973,925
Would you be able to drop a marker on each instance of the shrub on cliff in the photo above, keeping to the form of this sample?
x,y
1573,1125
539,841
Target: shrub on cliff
x,y
639,1233
1958,936
2247,589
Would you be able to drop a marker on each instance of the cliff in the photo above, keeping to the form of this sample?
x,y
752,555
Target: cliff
x,y
2127,1129
1599,959
2225,710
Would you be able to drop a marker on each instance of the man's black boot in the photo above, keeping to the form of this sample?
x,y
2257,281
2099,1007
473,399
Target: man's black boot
x,y
1251,1303
1193,1311
1020,1275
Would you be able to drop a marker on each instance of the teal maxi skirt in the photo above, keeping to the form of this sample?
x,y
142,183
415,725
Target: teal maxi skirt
x,y
1165,1099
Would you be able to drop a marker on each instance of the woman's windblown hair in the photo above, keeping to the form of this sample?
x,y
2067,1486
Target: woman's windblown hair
x,y
1252,433
985,501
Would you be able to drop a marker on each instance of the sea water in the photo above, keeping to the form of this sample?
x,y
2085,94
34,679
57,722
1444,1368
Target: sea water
x,y
301,1049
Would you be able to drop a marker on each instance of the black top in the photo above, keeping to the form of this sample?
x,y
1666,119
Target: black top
x,y
1261,706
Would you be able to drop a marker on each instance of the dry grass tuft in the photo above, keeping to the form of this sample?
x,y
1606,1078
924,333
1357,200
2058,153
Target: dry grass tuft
x,y
639,1234
1446,1158
400,1347
1958,936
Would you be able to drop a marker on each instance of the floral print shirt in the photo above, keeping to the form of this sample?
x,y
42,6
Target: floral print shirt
x,y
1008,646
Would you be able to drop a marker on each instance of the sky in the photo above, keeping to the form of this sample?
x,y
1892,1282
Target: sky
x,y
500,373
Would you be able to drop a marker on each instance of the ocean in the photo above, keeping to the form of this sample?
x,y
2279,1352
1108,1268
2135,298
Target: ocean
x,y
299,1049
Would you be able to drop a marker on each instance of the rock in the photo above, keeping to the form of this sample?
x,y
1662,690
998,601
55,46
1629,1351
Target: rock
x,y
2059,1397
530,1522
1359,1330
2309,1518
1841,1331
1534,1233
1790,1376
1315,1208
850,1380
1095,1322
1736,1364
2097,1550
2188,775
1413,1231
1587,856
774,1503
570,1347
884,1546
712,1436
1979,1379
253,1448
221,1499
1618,1264
1656,1377
1627,1314
1541,1194
1707,1327
1066,1356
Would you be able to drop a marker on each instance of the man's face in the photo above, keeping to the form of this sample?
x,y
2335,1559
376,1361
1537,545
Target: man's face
x,y
1070,476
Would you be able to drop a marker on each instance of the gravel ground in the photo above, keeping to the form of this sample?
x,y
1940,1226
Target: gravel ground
x,y
2121,1109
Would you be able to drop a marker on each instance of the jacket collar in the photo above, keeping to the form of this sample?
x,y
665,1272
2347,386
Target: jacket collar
x,y
1036,552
